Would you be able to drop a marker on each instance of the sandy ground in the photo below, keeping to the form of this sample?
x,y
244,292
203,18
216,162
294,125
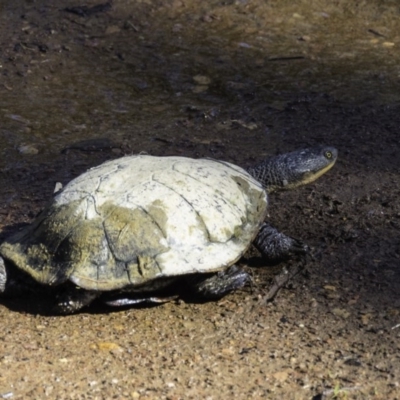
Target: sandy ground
x,y
234,80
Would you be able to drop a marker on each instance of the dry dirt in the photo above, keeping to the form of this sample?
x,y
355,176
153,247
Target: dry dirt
x,y
235,80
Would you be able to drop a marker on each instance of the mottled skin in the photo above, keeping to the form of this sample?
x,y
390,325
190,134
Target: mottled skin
x,y
290,170
282,172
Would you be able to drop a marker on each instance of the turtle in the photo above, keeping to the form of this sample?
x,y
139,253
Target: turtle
x,y
126,229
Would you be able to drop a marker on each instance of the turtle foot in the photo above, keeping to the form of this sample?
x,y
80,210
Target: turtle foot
x,y
220,283
73,300
276,246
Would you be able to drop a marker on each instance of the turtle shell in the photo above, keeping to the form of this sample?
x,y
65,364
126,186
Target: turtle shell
x,y
139,218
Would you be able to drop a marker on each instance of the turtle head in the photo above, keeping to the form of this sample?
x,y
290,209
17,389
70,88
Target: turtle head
x,y
287,171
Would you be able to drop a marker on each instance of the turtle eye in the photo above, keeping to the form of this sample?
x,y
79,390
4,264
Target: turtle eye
x,y
328,154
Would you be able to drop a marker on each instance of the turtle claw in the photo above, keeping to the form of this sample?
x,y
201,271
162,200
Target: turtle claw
x,y
298,248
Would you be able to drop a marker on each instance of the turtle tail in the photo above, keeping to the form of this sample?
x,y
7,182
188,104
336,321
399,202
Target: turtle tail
x,y
3,275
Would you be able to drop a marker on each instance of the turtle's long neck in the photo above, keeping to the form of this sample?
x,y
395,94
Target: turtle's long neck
x,y
273,173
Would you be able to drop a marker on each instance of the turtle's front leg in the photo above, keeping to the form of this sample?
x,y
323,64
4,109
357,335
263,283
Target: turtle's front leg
x,y
276,246
73,299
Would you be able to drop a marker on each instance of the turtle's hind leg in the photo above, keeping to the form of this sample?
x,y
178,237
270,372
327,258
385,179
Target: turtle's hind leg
x,y
219,284
73,299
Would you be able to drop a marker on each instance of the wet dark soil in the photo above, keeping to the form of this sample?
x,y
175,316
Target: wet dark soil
x,y
81,83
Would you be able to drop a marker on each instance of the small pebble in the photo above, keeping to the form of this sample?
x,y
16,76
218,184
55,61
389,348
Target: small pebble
x,y
28,149
245,45
112,29
202,79
341,312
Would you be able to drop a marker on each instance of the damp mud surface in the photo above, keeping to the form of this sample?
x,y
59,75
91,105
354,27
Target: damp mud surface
x,y
82,83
